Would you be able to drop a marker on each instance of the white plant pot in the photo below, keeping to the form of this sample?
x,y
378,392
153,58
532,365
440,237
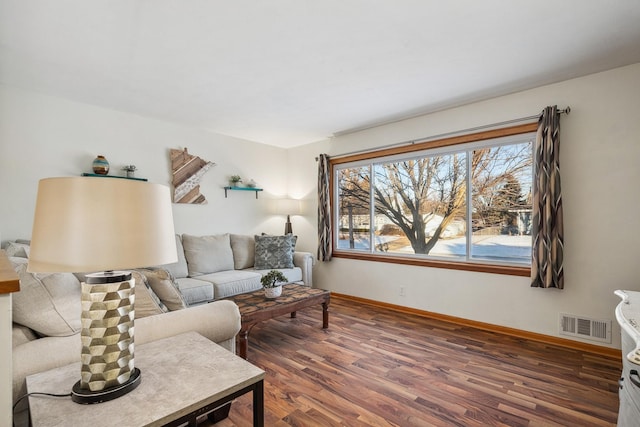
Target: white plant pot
x,y
273,292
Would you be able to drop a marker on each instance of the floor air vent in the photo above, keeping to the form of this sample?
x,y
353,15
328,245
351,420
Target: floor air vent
x,y
590,329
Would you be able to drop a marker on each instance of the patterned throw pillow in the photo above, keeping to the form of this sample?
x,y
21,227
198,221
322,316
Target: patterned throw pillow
x,y
274,251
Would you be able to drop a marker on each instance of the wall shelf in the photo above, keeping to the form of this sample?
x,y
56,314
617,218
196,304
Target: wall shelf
x,y
113,176
241,189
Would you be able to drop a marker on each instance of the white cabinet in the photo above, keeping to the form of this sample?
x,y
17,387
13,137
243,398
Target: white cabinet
x,y
628,316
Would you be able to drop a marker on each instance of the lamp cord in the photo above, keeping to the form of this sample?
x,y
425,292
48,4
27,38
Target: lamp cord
x,y
36,393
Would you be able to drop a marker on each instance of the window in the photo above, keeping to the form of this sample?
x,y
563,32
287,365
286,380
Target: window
x,y
458,203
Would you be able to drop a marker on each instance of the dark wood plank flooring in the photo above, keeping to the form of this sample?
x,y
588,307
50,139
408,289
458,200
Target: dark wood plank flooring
x,y
375,367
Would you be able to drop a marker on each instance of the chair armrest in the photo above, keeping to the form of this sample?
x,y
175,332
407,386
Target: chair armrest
x,y
305,261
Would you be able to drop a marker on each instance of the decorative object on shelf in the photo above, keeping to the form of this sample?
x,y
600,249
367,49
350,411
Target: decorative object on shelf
x,y
235,180
242,189
187,172
272,283
130,170
288,207
81,224
100,165
252,184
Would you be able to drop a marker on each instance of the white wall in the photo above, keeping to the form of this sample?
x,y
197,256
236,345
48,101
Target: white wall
x,y
600,161
42,136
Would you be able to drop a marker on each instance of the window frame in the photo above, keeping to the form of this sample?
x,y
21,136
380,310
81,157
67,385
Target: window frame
x,y
468,265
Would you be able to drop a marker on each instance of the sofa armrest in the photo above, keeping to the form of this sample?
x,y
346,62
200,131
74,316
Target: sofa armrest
x,y
305,261
41,355
218,320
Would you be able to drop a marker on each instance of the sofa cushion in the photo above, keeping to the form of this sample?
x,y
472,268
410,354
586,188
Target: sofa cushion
x,y
164,286
244,249
195,291
147,302
178,269
49,304
274,252
207,254
232,282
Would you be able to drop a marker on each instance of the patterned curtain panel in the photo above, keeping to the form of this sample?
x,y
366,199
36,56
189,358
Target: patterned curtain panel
x,y
548,231
325,247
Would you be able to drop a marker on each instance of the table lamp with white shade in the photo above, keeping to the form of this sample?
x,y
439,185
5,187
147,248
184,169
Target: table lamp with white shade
x,y
103,224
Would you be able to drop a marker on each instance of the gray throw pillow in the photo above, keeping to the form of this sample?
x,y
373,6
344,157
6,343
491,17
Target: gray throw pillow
x,y
165,287
147,302
274,251
243,251
17,249
207,254
48,303
179,269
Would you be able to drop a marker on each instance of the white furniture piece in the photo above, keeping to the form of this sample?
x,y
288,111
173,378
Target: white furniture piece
x,y
628,316
186,376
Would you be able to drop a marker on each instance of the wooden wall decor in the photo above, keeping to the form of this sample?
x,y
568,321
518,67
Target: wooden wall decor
x,y
187,171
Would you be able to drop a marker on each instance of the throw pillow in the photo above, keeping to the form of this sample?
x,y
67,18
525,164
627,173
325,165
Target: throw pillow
x,y
207,254
274,251
48,303
244,249
164,286
17,249
147,302
178,269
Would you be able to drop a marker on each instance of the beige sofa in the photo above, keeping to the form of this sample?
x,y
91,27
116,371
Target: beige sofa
x,y
219,266
168,299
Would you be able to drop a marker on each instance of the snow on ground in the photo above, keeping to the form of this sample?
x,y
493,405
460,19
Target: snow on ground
x,y
494,247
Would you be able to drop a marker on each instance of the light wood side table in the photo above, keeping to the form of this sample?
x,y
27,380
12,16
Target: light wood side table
x,y
183,377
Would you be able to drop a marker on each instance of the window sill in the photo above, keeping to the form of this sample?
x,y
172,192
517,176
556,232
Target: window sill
x,y
524,271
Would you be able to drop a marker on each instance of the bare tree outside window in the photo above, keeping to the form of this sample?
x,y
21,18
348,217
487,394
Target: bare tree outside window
x,y
421,205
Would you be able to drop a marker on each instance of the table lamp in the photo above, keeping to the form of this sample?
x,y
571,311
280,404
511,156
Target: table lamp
x,y
288,207
103,224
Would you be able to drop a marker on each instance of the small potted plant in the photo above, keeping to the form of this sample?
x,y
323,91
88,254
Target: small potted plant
x,y
235,180
272,283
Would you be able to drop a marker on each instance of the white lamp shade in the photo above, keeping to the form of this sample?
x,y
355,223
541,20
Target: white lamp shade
x,y
288,207
85,224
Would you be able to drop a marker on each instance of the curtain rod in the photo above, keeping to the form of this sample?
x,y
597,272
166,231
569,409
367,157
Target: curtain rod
x,y
448,134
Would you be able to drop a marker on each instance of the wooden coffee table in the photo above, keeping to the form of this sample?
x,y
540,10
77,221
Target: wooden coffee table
x,y
255,307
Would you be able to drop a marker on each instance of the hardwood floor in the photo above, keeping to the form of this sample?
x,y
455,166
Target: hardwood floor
x,y
375,367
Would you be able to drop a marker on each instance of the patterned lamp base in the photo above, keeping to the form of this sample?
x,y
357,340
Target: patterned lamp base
x,y
108,369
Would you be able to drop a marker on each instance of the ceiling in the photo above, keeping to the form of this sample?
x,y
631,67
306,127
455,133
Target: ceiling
x,y
291,72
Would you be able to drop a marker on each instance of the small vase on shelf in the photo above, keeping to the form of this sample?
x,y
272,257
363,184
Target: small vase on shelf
x,y
100,165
